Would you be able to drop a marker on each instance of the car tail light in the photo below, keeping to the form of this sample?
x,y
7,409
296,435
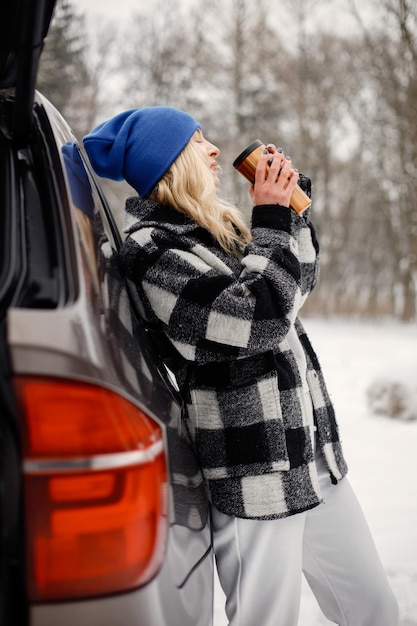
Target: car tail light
x,y
95,490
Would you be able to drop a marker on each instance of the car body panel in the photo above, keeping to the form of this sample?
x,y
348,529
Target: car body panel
x,y
158,604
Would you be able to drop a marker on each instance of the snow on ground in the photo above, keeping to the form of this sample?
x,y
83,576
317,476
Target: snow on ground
x,y
381,452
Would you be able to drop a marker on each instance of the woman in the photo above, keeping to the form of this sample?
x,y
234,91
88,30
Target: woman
x,y
257,409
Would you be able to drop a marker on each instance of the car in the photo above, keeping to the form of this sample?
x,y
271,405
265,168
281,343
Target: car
x,y
104,518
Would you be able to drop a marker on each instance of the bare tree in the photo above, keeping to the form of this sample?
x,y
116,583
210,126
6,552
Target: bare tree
x,y
388,62
164,59
344,107
252,103
104,94
63,72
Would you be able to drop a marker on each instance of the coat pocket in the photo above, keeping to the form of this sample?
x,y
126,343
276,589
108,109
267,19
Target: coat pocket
x,y
235,418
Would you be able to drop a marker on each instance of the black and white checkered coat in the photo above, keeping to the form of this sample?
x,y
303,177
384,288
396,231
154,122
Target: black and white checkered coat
x,y
229,318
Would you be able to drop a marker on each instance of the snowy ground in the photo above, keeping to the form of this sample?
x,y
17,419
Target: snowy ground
x,y
381,452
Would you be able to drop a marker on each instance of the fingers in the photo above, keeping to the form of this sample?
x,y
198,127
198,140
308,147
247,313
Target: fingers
x,y
275,178
270,164
293,175
261,172
277,164
281,171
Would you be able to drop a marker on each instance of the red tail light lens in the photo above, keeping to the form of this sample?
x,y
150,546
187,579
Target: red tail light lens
x,y
95,490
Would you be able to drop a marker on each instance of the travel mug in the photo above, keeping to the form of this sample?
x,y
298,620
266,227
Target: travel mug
x,y
246,164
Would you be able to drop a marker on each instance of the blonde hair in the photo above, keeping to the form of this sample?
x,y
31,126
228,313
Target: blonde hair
x,y
189,187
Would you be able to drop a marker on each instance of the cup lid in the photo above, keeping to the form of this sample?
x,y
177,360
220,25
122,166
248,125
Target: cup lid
x,y
243,155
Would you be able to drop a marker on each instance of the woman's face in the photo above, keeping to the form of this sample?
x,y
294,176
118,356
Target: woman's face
x,y
209,153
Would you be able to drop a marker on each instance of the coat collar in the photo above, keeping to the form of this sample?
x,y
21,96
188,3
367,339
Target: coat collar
x,y
141,212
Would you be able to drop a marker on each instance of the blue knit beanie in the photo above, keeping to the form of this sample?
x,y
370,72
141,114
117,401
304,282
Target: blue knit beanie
x,y
139,145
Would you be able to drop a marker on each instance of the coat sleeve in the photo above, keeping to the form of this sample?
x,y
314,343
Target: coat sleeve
x,y
206,305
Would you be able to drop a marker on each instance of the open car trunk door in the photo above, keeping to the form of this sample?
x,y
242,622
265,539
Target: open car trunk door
x,y
23,28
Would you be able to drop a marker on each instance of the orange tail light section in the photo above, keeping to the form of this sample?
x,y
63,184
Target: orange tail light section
x,y
95,482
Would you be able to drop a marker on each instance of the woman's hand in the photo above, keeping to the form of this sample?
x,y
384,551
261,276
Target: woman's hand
x,y
276,185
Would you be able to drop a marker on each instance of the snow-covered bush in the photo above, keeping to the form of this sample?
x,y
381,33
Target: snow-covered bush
x,y
393,398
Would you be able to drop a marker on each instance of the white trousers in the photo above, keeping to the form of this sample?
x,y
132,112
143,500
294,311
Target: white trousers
x,y
260,564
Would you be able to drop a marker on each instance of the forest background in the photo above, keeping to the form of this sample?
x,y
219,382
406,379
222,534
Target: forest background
x,y
334,82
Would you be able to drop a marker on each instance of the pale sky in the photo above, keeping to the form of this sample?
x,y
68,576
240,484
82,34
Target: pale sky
x,y
109,9
119,11
332,16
